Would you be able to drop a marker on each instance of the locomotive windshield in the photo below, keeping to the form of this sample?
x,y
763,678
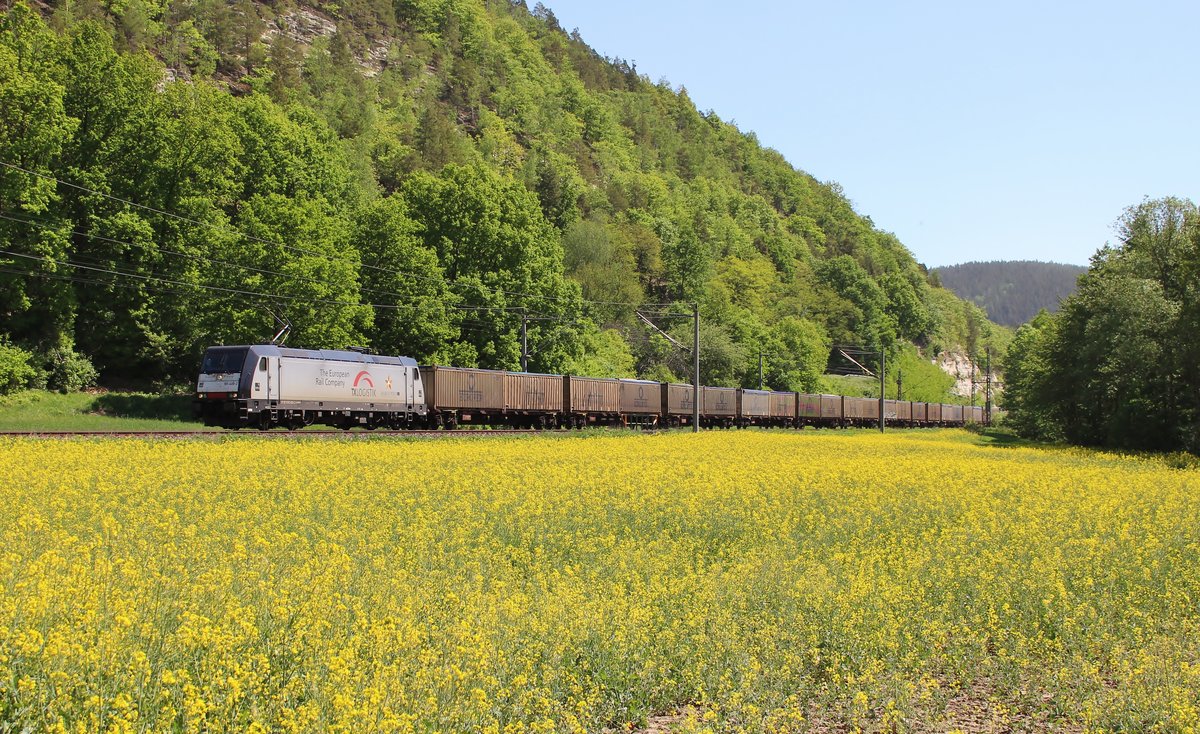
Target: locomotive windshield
x,y
223,360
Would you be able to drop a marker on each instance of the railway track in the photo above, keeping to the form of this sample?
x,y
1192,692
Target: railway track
x,y
281,434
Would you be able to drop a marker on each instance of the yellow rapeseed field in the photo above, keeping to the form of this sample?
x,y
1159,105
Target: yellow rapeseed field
x,y
757,581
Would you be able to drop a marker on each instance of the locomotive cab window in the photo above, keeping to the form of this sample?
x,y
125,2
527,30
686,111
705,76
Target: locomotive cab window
x,y
223,360
262,364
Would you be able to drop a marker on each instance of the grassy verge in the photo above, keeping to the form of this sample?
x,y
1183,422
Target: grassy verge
x,y
39,410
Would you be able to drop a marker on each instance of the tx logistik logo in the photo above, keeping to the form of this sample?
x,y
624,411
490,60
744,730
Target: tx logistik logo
x,y
641,401
471,394
362,378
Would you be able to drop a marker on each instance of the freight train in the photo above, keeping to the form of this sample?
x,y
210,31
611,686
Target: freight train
x,y
266,386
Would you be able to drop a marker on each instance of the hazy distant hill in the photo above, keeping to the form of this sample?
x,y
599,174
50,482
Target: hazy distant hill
x,y
1012,292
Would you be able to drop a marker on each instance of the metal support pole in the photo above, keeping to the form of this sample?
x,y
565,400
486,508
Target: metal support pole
x,y
900,384
760,380
971,360
882,384
696,368
987,419
524,341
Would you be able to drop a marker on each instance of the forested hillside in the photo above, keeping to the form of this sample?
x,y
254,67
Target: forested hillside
x,y
415,177
1012,292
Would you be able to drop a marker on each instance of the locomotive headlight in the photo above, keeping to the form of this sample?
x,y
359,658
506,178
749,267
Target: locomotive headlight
x,y
202,396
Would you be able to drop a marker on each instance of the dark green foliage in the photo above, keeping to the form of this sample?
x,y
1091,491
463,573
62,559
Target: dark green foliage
x,y
502,255
413,176
1118,365
16,369
142,405
67,370
1012,292
1027,386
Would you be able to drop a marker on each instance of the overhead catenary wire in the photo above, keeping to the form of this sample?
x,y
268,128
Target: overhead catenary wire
x,y
222,289
98,267
464,324
190,256
307,251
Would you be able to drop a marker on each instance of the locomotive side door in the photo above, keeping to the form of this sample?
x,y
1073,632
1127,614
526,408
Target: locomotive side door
x,y
272,378
410,388
416,390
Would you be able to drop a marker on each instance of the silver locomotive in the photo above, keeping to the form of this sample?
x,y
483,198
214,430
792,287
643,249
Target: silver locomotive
x,y
263,386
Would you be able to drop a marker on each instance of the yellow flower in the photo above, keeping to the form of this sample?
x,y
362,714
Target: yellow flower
x,y
768,581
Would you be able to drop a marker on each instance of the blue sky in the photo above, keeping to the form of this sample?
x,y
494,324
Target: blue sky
x,y
998,131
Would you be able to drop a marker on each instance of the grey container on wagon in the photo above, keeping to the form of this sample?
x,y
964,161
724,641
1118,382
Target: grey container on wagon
x,y
533,399
899,411
719,406
933,412
754,406
862,411
808,408
833,409
677,403
783,408
953,414
640,401
463,395
919,412
591,399
872,409
855,408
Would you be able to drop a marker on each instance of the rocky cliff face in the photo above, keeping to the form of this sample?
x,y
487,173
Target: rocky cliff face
x,y
306,25
968,376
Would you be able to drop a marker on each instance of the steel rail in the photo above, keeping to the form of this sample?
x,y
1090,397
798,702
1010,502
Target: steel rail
x,y
275,433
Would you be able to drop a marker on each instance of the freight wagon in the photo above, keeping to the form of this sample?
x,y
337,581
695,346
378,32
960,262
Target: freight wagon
x,y
919,413
532,400
591,401
898,411
678,402
952,415
753,407
783,409
934,413
640,402
808,409
833,410
461,395
718,406
861,411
